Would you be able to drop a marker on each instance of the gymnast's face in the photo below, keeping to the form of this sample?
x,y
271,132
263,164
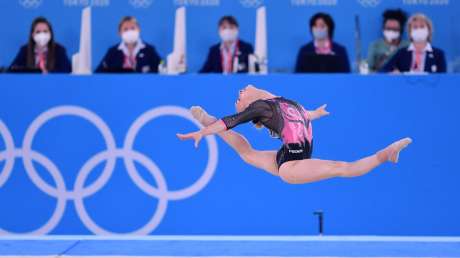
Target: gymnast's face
x,y
246,96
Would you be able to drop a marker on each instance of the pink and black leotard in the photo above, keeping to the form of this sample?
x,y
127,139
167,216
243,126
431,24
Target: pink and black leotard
x,y
285,119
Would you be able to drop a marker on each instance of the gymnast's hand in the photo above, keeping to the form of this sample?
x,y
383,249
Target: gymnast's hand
x,y
216,127
321,111
194,135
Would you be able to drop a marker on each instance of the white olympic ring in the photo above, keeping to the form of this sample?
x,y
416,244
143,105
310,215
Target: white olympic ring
x,y
61,200
152,168
178,194
74,111
80,191
7,155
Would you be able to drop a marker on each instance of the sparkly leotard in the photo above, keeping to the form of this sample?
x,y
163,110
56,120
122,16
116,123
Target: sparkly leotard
x,y
285,119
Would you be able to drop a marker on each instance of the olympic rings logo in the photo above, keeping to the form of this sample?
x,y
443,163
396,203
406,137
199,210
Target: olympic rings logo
x,y
251,3
129,156
141,3
30,3
369,3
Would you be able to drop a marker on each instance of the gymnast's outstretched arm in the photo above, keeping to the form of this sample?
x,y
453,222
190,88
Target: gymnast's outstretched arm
x,y
265,160
224,124
317,113
214,128
256,110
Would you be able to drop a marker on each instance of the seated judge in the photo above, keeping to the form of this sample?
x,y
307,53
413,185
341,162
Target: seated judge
x,y
383,49
231,55
322,54
420,56
42,54
131,54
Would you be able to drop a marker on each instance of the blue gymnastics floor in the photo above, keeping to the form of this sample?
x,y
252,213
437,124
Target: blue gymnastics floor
x,y
228,246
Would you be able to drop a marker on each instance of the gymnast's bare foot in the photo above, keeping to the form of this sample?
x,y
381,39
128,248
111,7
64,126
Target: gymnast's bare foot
x,y
202,116
391,153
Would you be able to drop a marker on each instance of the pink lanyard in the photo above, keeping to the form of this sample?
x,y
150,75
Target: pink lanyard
x,y
228,67
129,62
41,60
324,50
418,61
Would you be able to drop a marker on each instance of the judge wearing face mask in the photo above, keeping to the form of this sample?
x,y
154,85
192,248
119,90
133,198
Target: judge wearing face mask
x,y
231,54
420,56
383,49
41,54
131,54
322,55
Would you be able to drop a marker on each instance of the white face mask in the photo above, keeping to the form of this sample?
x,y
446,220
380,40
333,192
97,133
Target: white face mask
x,y
130,36
42,38
391,35
228,35
419,35
320,33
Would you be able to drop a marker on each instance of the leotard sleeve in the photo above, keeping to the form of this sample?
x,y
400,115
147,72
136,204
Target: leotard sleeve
x,y
256,111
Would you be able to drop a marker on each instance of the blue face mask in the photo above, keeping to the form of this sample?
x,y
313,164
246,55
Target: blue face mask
x,y
320,33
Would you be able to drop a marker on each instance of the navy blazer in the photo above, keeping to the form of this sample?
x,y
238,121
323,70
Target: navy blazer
x,y
62,62
303,63
213,62
435,61
147,60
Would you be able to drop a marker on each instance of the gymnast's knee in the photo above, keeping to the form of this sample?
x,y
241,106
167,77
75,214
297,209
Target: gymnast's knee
x,y
342,169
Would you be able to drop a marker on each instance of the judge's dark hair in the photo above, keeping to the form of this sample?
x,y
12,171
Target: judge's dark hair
x,y
327,19
395,14
230,19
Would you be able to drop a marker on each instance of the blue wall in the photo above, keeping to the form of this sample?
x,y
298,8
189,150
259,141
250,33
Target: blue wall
x,y
419,196
287,24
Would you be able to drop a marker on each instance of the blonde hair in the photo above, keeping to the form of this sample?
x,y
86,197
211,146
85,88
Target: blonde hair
x,y
423,18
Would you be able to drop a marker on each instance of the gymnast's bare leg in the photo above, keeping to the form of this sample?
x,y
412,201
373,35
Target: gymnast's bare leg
x,y
307,170
312,170
265,160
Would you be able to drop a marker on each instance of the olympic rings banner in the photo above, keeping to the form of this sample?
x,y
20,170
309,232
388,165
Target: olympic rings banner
x,y
287,25
99,155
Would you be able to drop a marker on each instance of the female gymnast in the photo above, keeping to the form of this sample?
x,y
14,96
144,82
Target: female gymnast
x,y
290,122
